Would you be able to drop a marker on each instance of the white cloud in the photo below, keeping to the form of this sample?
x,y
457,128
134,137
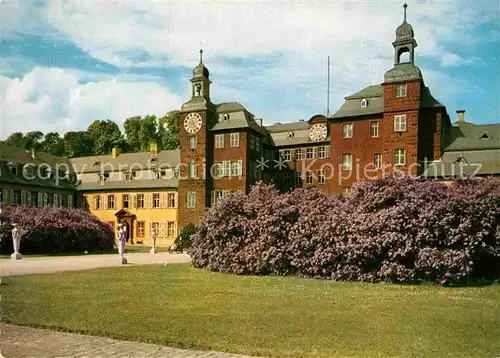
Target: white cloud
x,y
49,99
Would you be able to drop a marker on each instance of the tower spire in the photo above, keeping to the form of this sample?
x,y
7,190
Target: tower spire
x,y
201,52
404,7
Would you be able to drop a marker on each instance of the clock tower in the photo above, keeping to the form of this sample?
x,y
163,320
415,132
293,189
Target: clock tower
x,y
196,118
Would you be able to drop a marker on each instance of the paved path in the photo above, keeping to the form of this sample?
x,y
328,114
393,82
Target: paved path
x,y
20,342
35,265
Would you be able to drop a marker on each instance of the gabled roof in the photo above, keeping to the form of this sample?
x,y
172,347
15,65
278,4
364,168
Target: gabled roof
x,y
468,136
23,156
238,117
477,162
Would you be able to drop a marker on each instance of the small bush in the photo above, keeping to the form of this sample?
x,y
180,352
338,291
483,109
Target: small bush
x,y
396,229
183,240
55,230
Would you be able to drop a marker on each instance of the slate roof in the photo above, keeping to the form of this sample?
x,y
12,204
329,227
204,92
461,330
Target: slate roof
x,y
374,94
477,162
467,136
21,157
93,164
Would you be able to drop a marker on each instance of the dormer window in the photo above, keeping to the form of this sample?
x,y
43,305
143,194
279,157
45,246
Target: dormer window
x,y
226,117
364,103
485,136
97,163
460,159
290,135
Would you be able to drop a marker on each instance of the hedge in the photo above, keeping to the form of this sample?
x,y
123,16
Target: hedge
x,y
55,230
394,229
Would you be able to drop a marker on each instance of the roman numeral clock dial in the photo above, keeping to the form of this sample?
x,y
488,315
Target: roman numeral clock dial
x,y
193,123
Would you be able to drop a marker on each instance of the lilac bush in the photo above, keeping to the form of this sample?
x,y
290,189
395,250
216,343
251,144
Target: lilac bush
x,y
396,229
56,230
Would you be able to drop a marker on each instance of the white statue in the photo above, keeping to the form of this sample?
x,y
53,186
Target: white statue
x,y
122,240
17,235
153,240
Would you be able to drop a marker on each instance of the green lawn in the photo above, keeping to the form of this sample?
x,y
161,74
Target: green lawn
x,y
177,305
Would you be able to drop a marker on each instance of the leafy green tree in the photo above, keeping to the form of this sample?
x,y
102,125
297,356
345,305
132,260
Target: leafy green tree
x,y
15,140
53,144
78,144
33,140
132,128
148,132
168,131
106,135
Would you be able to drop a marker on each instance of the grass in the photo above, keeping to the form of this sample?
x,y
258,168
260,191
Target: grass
x,y
177,305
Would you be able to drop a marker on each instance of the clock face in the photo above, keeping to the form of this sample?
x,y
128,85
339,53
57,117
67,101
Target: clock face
x,y
318,132
192,123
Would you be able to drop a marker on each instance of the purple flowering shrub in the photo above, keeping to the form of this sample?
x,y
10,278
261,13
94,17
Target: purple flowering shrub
x,y
396,229
55,230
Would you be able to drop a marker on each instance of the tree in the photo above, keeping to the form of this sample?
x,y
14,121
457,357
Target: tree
x,y
15,140
106,135
168,131
78,144
33,140
132,128
148,132
53,144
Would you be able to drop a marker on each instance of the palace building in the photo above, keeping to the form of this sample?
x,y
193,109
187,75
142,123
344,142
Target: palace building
x,y
393,126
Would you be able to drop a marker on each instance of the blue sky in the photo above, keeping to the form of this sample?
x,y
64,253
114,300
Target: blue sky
x,y
66,64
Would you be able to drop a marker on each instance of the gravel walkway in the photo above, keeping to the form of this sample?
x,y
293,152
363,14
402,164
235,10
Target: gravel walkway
x,y
21,342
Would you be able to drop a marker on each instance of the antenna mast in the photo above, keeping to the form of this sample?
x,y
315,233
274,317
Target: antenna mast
x,y
328,91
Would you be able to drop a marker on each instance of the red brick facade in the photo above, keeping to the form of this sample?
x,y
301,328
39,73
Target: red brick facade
x,y
393,127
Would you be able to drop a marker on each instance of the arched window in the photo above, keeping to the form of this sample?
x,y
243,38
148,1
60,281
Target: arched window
x,y
404,55
197,90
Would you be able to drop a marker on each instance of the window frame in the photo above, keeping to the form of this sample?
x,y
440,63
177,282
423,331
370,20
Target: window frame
x,y
374,125
398,154
346,166
235,140
219,141
400,121
347,133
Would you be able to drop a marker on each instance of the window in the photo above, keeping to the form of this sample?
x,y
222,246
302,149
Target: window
x,y
287,155
155,226
236,168
192,170
251,141
140,229
298,178
217,196
97,202
377,160
126,201
399,157
309,177
111,201
128,176
346,161
321,177
219,141
290,134
288,179
235,139
299,154
400,123
171,200
171,229
401,90
103,177
34,198
192,142
347,130
156,200
13,170
191,199
226,168
70,201
140,201
346,190
364,103
322,152
16,198
257,144
374,129
309,153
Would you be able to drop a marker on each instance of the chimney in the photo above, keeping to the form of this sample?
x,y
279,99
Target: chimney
x,y
153,148
115,152
460,115
259,121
